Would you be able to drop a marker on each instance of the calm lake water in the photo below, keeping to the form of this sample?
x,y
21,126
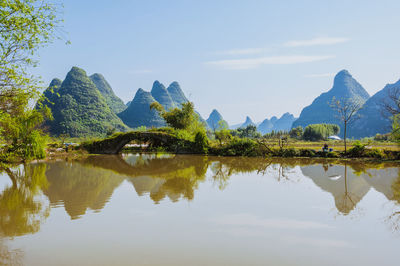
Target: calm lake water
x,y
194,210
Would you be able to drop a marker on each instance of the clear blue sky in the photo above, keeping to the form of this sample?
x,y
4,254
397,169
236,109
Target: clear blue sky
x,y
256,58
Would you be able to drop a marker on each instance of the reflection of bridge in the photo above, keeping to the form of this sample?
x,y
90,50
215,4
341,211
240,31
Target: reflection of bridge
x,y
114,144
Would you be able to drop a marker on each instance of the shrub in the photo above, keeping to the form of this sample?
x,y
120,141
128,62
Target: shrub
x,y
333,154
240,147
201,142
375,153
306,152
357,150
289,152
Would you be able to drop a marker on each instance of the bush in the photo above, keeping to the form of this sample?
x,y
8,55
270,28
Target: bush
x,y
375,153
382,137
201,142
289,152
357,150
333,154
306,153
240,147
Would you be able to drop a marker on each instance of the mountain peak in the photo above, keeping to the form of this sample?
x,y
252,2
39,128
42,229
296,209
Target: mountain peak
x,y
139,113
56,82
215,112
176,93
78,101
248,122
76,71
112,100
161,95
248,119
214,119
158,85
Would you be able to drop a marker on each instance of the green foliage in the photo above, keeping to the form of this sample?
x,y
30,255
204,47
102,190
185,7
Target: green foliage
x,y
375,153
306,152
25,26
239,147
296,133
184,118
276,134
317,132
201,142
396,128
116,104
248,132
223,136
382,137
79,109
141,128
22,135
357,150
185,121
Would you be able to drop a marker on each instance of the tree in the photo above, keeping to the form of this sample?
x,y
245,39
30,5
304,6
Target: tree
x,y
347,112
223,135
316,132
391,103
184,118
222,124
248,132
25,26
296,133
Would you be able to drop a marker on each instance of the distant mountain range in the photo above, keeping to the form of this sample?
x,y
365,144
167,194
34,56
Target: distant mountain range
x,y
284,123
87,105
372,118
138,112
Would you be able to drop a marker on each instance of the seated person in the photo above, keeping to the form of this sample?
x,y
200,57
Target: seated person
x,y
325,148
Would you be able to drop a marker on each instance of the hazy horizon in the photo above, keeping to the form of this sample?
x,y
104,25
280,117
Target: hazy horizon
x,y
257,59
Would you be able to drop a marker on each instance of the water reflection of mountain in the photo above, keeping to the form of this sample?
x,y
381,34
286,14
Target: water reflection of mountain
x,y
348,183
80,187
90,183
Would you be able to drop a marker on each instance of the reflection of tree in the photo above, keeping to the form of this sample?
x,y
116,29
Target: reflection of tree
x,y
173,176
394,218
20,211
346,187
9,257
348,200
80,186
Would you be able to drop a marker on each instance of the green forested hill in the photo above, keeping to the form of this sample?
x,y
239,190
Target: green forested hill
x,y
78,107
112,100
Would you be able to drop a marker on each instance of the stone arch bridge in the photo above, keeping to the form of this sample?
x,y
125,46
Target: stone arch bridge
x,y
114,144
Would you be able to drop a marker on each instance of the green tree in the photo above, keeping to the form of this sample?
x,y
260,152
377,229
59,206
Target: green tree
x,y
25,26
248,132
317,132
296,132
180,118
396,128
223,135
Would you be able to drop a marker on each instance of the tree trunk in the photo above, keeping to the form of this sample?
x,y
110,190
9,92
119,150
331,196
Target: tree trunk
x,y
345,129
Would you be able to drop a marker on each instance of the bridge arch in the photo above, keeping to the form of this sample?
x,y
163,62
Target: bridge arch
x,y
115,143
